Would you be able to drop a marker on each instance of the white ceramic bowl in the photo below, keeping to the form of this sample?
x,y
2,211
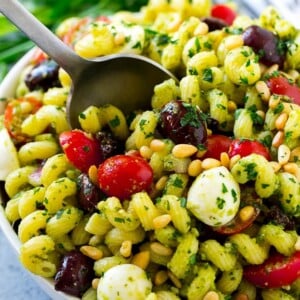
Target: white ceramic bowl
x,y
7,88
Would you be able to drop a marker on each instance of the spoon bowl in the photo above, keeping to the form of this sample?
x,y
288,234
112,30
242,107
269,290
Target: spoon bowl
x,y
123,80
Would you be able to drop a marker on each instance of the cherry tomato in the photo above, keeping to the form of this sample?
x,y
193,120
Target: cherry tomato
x,y
216,144
277,271
245,147
70,34
223,12
123,175
39,56
15,113
81,149
281,86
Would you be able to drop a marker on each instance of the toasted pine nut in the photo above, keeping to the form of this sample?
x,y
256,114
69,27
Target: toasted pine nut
x,y
184,150
275,165
157,145
295,154
161,277
233,160
161,221
26,107
209,131
297,245
92,252
161,183
233,42
174,279
263,90
241,296
141,259
126,248
288,107
231,106
160,249
283,155
195,167
291,168
261,113
278,139
209,163
95,283
294,74
246,213
274,101
119,39
225,160
93,174
271,70
201,29
146,151
211,295
281,121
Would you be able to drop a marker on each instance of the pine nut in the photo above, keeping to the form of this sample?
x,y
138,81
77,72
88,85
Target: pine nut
x,y
288,107
271,70
119,39
274,101
126,248
209,131
209,163
233,160
283,155
161,183
246,213
233,42
161,221
160,249
241,296
278,139
281,121
26,107
161,277
195,167
175,280
93,174
275,165
297,245
184,150
95,283
291,168
261,113
294,74
201,29
151,296
225,160
263,90
157,145
92,252
146,152
231,106
211,295
141,259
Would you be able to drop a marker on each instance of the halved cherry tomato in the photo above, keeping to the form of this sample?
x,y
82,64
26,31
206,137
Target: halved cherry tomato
x,y
223,12
275,272
281,86
123,175
81,149
15,113
245,147
39,56
216,144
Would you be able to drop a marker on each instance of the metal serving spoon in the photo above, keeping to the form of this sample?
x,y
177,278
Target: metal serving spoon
x,y
123,80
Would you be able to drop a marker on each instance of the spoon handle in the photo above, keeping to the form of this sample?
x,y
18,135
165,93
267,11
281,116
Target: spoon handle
x,y
41,36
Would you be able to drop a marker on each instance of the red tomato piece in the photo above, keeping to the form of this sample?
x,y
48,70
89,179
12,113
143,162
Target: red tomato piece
x,y
216,144
123,175
245,147
223,12
281,86
39,56
81,149
14,115
275,272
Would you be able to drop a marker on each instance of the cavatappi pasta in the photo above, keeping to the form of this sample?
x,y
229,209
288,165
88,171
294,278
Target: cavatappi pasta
x,y
205,218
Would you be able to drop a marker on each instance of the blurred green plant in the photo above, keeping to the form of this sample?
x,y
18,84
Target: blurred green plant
x,y
13,44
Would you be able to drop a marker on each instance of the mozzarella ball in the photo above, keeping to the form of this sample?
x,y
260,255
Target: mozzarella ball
x,y
214,197
125,281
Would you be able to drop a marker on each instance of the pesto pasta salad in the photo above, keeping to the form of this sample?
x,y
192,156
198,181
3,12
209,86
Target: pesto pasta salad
x,y
197,197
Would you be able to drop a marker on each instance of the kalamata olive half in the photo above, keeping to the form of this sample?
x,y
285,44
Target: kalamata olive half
x,y
266,44
182,123
89,193
43,76
75,274
214,23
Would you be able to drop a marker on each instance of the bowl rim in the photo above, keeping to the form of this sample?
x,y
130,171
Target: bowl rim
x,y
7,89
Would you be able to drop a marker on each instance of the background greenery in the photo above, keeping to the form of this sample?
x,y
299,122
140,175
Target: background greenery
x,y
13,44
